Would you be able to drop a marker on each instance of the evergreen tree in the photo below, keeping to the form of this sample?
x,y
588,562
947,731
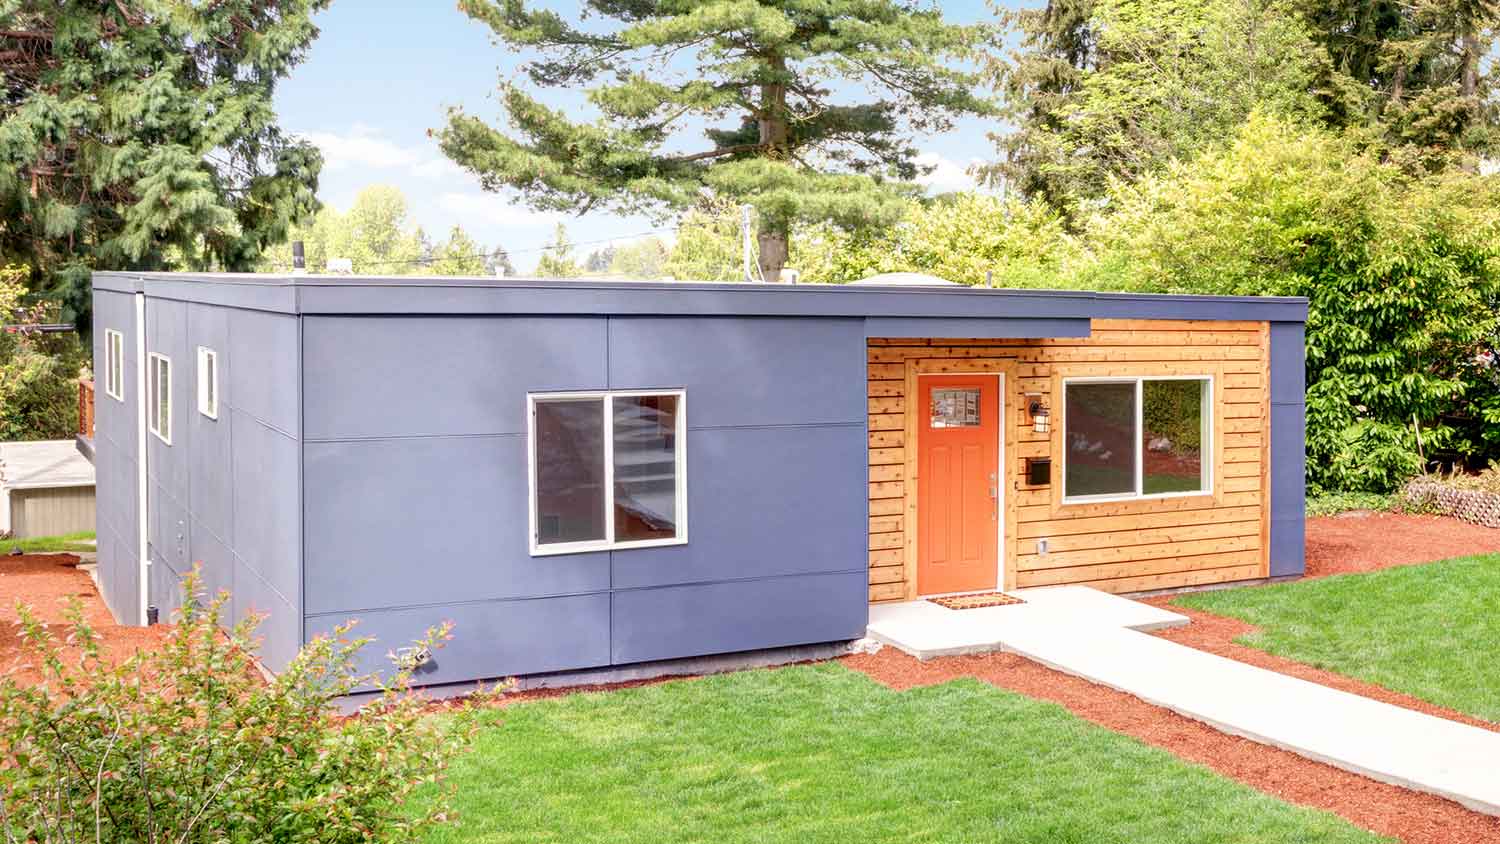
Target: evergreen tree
x,y
498,263
1158,81
141,135
557,257
1101,89
762,76
599,260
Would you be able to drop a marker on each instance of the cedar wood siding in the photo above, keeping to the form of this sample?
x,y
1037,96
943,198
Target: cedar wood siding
x,y
1119,546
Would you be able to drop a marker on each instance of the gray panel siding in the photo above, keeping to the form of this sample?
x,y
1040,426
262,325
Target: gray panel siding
x,y
115,465
403,522
764,501
267,510
407,377
263,362
1288,449
490,638
281,625
746,371
712,618
225,494
416,483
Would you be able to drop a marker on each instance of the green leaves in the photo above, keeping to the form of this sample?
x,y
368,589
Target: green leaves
x,y
142,136
757,76
187,742
1402,274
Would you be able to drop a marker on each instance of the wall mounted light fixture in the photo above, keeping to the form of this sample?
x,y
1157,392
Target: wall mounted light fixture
x,y
1040,417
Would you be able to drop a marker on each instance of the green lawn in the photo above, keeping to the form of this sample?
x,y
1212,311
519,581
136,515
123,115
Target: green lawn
x,y
1431,631
50,544
823,754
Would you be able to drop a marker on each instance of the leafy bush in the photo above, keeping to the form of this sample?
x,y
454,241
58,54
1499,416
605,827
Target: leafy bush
x,y
186,742
38,372
1342,502
1402,274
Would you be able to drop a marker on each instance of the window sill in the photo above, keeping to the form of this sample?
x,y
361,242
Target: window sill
x,y
1120,499
595,547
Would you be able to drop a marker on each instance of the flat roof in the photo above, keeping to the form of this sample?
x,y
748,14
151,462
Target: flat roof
x,y
413,295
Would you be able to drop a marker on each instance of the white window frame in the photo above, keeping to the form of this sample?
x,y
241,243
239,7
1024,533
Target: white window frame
x,y
1208,451
114,364
208,370
153,413
608,543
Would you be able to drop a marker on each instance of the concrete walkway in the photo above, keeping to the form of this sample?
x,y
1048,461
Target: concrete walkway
x,y
1378,740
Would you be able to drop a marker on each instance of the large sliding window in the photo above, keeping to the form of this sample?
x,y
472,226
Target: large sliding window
x,y
608,470
1137,437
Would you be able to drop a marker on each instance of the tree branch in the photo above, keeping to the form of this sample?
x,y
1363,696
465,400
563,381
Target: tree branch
x,y
718,153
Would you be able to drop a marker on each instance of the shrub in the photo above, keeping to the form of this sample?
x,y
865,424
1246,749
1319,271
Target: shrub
x,y
187,743
38,372
1402,274
1342,502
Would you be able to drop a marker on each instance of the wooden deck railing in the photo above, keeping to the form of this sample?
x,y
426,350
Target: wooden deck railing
x,y
86,408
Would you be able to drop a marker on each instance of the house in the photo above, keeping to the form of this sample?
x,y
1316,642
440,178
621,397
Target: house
x,y
590,474
46,489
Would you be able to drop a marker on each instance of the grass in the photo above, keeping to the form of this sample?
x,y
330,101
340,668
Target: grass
x,y
823,754
50,544
1431,631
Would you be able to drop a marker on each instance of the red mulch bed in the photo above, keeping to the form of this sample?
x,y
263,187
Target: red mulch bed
x,y
46,582
1364,541
1386,809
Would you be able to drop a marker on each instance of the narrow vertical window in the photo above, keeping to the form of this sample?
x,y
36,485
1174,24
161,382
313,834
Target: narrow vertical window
x,y
114,365
607,470
159,397
208,382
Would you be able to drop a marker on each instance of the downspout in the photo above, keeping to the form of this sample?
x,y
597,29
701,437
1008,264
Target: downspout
x,y
140,450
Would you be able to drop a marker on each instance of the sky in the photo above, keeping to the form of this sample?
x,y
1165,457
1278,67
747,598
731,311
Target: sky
x,y
381,75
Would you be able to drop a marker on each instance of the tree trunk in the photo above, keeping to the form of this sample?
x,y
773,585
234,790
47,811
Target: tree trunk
x,y
1471,63
775,134
773,254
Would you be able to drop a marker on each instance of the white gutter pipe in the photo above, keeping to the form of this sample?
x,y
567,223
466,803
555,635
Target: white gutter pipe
x,y
140,450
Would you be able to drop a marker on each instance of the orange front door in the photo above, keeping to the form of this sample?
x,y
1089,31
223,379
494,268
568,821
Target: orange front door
x,y
958,508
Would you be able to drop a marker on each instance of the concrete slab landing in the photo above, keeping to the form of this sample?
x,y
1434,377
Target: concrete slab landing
x,y
926,630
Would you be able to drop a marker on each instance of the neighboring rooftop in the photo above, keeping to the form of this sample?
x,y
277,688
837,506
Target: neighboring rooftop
x,y
43,464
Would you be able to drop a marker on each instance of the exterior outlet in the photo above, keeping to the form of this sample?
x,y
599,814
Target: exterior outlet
x,y
1041,546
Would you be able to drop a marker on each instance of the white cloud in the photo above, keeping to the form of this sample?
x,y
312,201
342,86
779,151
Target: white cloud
x,y
361,147
491,208
947,175
439,170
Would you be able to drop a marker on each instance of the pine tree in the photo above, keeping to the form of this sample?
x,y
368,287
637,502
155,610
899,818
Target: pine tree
x,y
142,136
779,82
557,257
498,263
1101,89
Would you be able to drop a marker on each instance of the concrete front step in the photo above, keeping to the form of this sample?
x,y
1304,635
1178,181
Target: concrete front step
x,y
1092,638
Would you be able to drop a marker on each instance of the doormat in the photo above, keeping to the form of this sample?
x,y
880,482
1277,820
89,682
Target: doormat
x,y
976,600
